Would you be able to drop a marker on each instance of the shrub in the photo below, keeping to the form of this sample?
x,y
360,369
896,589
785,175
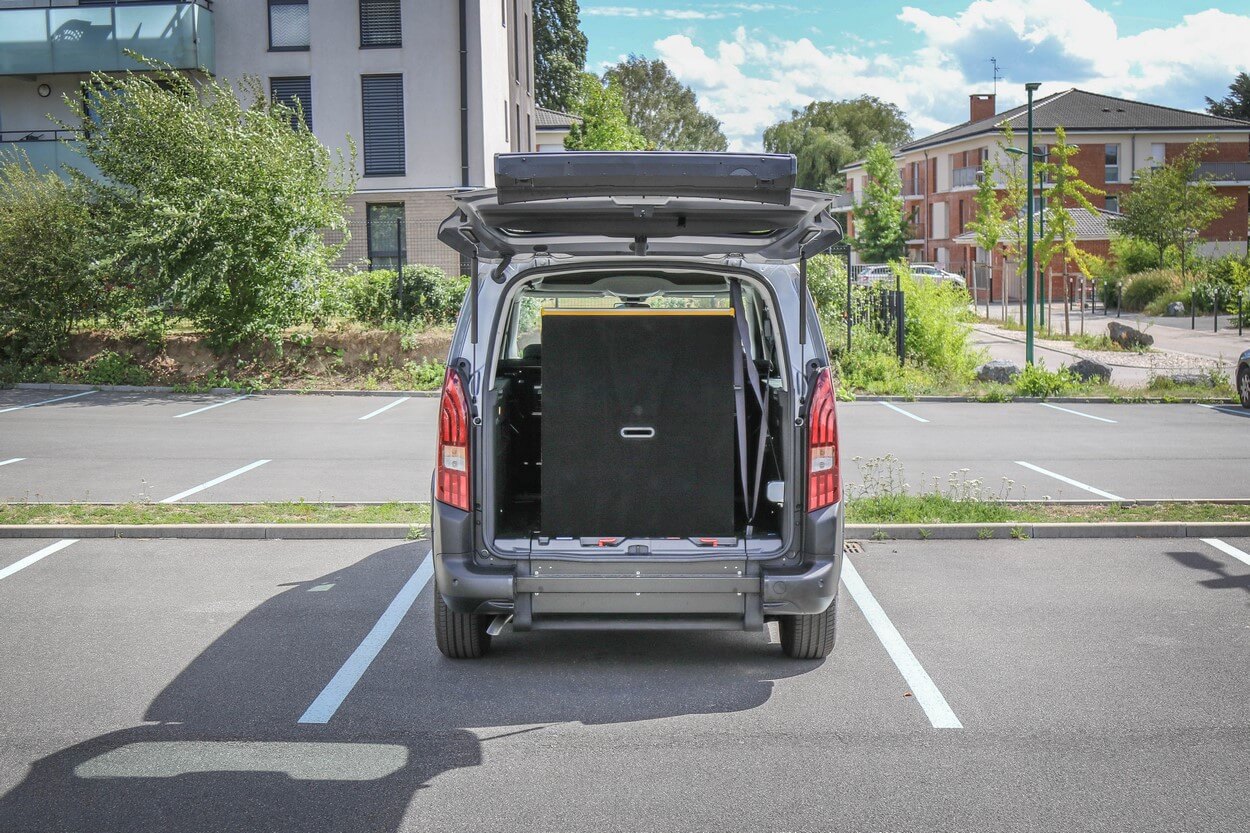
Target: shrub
x,y
1148,286
1036,380
370,296
430,296
110,368
935,335
45,284
1132,255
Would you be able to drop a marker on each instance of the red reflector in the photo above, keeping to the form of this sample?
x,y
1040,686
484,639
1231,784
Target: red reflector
x,y
451,480
824,481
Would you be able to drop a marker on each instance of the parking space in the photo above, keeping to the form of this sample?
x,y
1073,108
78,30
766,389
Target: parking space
x,y
1131,451
159,685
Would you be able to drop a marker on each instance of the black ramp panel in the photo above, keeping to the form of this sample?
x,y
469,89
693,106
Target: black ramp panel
x,y
638,425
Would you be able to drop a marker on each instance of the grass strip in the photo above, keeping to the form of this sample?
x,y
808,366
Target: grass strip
x,y
213,513
936,509
898,509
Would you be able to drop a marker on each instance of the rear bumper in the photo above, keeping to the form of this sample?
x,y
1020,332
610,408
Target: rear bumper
x,y
733,588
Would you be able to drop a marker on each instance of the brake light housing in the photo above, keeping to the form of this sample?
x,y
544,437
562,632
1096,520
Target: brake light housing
x,y
824,479
451,481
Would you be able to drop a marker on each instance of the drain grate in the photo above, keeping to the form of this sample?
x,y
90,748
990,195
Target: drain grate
x,y
852,547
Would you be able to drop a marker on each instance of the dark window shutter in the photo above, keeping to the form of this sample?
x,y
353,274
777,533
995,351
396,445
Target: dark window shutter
x,y
379,23
383,103
294,93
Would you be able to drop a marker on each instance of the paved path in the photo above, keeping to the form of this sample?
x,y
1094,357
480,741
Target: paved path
x,y
158,686
129,447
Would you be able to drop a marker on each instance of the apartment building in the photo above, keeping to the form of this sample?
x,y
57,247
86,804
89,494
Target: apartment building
x,y
1117,138
428,92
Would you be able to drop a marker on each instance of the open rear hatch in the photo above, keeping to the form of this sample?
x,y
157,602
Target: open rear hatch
x,y
650,203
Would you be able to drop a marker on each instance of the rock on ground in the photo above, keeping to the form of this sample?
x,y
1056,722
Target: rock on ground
x,y
1091,371
999,370
1176,309
1128,337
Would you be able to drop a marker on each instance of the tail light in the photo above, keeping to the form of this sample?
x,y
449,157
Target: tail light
x,y
824,482
452,462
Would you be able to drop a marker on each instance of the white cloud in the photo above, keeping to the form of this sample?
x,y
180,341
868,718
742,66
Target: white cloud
x,y
752,79
666,14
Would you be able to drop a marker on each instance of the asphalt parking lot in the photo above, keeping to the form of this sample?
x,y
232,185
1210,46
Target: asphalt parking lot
x,y
117,447
160,685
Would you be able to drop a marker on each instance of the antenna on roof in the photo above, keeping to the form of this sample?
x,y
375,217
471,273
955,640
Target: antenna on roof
x,y
997,75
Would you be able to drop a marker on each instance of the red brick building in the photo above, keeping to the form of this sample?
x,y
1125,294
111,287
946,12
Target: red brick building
x,y
1117,138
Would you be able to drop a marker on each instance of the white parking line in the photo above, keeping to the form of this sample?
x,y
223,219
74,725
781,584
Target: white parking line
x,y
939,712
1078,413
894,407
210,407
332,696
1228,549
401,400
31,559
47,401
1069,481
11,460
213,482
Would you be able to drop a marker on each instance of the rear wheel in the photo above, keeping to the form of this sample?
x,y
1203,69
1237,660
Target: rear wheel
x,y
811,636
459,635
1243,386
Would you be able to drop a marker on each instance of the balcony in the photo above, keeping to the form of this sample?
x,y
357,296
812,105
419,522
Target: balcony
x,y
964,177
1224,173
41,37
45,150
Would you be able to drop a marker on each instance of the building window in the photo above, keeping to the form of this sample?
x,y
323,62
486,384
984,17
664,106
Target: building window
x,y
529,131
295,93
382,100
516,49
507,134
1113,204
1158,154
1113,163
386,232
380,24
518,127
288,25
528,37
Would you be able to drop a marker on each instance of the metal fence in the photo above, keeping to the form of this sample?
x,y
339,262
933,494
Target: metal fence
x,y
391,244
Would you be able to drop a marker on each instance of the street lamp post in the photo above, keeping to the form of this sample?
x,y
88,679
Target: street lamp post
x,y
1030,88
1034,153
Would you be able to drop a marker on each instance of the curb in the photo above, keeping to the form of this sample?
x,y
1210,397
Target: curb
x,y
893,532
966,532
1074,400
59,386
231,532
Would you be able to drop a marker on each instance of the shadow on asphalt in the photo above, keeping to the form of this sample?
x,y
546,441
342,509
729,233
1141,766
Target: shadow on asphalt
x,y
225,753
1223,580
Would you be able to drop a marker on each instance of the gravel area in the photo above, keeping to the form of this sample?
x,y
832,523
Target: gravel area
x,y
1163,361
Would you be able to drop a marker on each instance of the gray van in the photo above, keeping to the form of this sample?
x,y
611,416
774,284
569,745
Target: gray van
x,y
638,425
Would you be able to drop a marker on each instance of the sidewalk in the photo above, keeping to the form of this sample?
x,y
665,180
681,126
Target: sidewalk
x,y
1176,349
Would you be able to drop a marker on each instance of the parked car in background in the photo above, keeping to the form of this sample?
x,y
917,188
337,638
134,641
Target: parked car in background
x,y
883,272
1243,379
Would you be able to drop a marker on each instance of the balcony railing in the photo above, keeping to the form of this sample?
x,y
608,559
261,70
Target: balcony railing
x,y
45,149
964,177
913,189
50,37
1238,172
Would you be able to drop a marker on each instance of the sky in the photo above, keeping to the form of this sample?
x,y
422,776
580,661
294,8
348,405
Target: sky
x,y
752,62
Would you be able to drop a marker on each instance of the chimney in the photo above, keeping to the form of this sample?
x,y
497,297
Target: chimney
x,y
980,106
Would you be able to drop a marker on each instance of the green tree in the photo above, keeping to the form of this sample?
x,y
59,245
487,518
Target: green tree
x,y
1170,205
1066,189
46,286
1235,105
828,135
604,124
989,223
881,228
559,53
212,203
662,108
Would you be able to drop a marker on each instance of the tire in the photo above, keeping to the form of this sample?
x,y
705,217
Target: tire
x,y
811,636
1243,386
459,635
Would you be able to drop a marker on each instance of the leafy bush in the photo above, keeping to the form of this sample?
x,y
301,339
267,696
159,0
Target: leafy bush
x,y
935,335
1132,256
430,296
370,296
1149,286
1036,380
110,368
45,282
